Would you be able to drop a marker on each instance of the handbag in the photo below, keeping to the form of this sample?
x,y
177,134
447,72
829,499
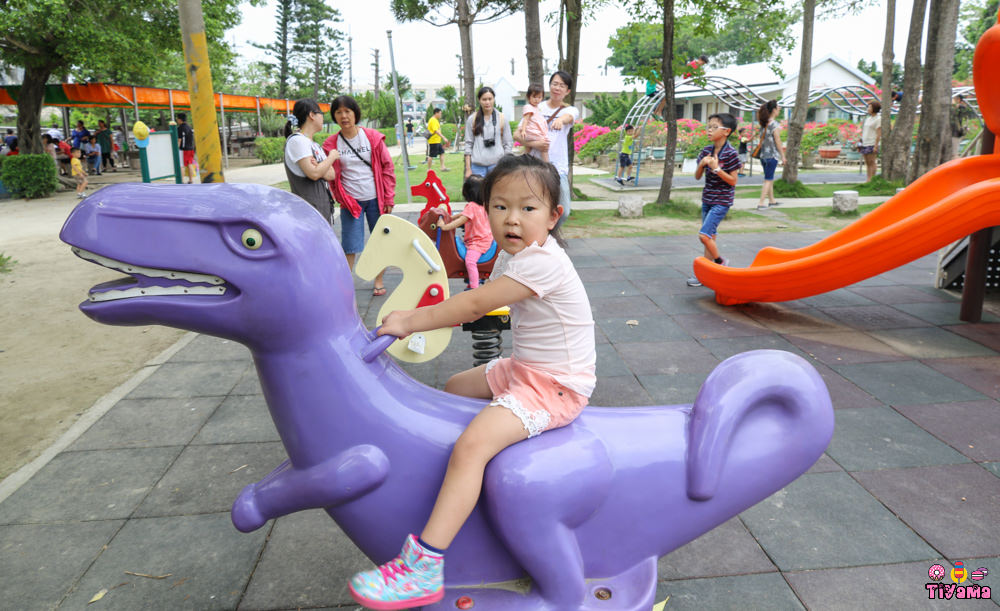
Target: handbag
x,y
756,151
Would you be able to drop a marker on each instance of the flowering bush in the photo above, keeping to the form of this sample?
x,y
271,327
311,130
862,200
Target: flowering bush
x,y
585,134
817,135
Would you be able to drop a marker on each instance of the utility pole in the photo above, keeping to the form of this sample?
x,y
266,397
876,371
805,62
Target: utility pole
x,y
199,78
350,66
512,66
399,116
375,63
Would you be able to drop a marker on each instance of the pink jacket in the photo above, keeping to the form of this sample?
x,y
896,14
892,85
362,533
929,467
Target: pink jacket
x,y
385,174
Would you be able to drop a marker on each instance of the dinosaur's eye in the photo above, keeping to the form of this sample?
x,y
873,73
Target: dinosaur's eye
x,y
252,239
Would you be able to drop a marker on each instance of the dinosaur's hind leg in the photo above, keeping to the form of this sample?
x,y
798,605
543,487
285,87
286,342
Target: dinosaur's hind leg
x,y
552,557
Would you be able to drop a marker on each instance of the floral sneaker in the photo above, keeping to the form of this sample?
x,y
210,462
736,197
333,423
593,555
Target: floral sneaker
x,y
412,579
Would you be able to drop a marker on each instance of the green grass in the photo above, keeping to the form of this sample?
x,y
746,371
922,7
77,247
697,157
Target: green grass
x,y
6,263
452,180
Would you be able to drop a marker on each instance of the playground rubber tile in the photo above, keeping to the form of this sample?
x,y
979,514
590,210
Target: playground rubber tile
x,y
840,298
764,591
145,423
893,586
874,317
176,380
207,348
604,290
880,438
667,358
611,246
240,419
679,303
907,383
95,485
208,562
844,393
898,294
599,336
727,549
647,328
248,383
845,347
825,464
639,275
626,260
39,562
992,467
987,334
619,391
581,261
931,343
826,520
207,479
681,260
630,306
972,428
307,563
953,507
600,274
726,347
940,313
672,389
675,284
713,326
609,363
916,273
980,373
660,244
791,320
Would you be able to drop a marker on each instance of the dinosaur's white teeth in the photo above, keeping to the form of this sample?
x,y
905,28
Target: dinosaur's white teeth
x,y
150,291
150,272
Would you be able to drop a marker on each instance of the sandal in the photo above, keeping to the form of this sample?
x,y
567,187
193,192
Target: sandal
x,y
378,291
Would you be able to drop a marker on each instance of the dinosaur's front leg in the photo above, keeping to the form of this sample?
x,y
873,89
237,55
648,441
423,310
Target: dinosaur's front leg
x,y
339,479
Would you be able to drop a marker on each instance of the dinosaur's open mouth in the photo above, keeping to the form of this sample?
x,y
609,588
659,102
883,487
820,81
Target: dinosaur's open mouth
x,y
148,281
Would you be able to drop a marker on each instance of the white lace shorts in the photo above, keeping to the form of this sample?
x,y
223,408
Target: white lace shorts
x,y
541,402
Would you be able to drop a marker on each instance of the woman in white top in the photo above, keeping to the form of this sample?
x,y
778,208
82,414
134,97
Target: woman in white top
x,y
871,134
560,118
307,166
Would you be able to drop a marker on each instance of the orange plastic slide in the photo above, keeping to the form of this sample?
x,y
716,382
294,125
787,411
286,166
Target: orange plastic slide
x,y
945,205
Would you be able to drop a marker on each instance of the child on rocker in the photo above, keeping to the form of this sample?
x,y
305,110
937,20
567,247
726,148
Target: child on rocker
x,y
719,163
478,237
532,122
544,385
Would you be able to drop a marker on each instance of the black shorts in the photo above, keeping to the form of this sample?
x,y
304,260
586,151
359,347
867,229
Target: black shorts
x,y
624,159
435,150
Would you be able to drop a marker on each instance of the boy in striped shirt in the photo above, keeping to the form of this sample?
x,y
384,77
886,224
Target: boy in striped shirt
x,y
719,163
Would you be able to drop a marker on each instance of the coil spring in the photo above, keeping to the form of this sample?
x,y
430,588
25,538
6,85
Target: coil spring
x,y
485,346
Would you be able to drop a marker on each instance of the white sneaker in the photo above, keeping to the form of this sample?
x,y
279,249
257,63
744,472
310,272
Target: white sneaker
x,y
693,281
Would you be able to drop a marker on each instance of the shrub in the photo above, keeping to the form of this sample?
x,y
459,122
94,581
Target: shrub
x,y
30,176
783,188
816,135
878,186
390,135
585,134
6,263
598,145
270,150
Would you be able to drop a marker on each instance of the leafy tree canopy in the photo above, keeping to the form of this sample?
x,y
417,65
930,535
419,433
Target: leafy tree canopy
x,y
444,12
975,17
748,36
874,70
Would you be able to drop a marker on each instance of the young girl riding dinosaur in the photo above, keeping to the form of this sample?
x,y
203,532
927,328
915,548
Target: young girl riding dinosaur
x,y
545,384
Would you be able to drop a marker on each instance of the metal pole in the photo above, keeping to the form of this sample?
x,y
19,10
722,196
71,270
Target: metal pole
x,y
170,95
225,139
199,78
350,66
399,117
135,104
258,116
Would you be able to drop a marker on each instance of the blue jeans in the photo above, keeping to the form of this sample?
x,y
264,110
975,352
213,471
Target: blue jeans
x,y
481,170
352,230
711,216
564,196
770,165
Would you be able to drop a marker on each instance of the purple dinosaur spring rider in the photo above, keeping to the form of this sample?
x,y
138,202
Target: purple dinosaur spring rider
x,y
573,519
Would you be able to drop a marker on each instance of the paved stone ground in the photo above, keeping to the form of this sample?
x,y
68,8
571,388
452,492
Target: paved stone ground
x,y
912,477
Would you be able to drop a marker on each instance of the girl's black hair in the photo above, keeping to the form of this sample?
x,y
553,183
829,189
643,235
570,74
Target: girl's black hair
x,y
764,112
477,125
564,77
472,189
545,174
534,89
301,111
345,101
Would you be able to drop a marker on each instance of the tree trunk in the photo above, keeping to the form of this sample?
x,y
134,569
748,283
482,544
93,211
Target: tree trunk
x,y
468,71
896,157
533,42
796,126
285,15
888,57
574,24
934,136
29,109
670,110
316,69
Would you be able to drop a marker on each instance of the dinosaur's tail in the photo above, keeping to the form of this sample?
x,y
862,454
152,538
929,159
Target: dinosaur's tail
x,y
778,399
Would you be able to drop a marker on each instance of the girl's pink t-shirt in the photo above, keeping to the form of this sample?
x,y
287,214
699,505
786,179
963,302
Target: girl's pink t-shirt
x,y
478,235
535,127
